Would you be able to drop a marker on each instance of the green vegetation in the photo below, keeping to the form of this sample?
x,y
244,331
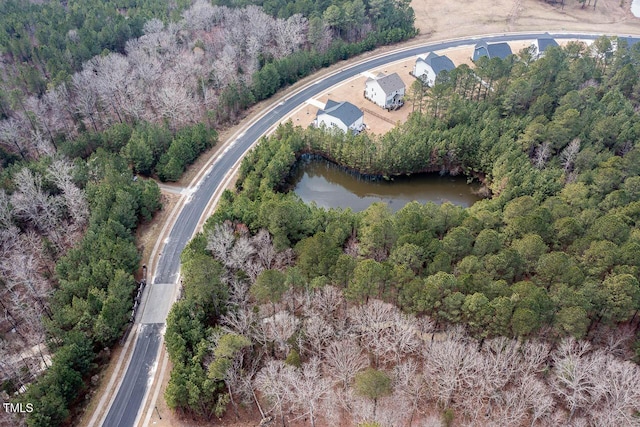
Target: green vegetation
x,y
359,26
373,385
115,118
69,272
94,296
553,250
187,337
46,42
148,149
556,244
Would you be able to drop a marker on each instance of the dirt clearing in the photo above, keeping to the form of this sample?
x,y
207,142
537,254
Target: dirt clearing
x,y
445,20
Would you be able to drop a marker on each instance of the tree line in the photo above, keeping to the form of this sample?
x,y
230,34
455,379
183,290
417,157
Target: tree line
x,y
66,270
121,88
209,65
551,257
538,210
46,42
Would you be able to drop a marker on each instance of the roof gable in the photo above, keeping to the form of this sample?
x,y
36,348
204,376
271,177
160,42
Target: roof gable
x,y
629,40
480,51
545,42
330,103
499,50
344,111
390,83
439,63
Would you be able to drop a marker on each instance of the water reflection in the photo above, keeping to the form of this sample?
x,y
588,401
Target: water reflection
x,y
331,187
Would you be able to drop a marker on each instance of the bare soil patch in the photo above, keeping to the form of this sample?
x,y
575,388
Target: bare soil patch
x,y
445,20
378,120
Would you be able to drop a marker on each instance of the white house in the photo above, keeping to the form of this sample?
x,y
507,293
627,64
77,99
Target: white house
x,y
342,115
429,66
385,91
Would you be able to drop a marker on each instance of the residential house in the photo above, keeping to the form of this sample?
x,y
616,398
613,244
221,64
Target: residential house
x,y
629,41
491,50
541,44
341,115
428,67
385,91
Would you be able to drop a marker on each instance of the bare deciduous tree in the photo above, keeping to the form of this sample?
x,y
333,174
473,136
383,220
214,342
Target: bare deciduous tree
x,y
542,153
12,136
279,328
273,382
60,172
410,385
220,241
537,396
573,375
344,360
308,388
535,354
30,203
616,385
241,252
384,331
264,250
6,220
86,97
200,16
318,333
288,35
569,154
447,364
175,104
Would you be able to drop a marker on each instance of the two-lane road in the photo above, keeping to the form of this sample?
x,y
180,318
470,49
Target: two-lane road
x,y
129,399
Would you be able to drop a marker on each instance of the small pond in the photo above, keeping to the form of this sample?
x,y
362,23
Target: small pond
x,y
331,186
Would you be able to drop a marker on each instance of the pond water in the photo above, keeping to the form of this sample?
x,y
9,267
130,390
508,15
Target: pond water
x,y
332,187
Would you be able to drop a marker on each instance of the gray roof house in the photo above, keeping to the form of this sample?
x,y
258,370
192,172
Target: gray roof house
x,y
545,42
428,67
630,41
491,50
385,91
342,115
542,43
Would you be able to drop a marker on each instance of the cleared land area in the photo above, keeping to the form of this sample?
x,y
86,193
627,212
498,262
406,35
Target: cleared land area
x,y
377,119
444,20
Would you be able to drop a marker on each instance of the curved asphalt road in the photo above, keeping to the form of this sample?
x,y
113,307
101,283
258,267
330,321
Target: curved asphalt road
x,y
128,401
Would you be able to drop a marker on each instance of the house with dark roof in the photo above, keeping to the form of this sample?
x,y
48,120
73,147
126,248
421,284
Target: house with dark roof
x,y
341,115
428,67
491,50
542,43
385,91
628,41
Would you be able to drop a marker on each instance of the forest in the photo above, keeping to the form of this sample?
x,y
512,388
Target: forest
x,y
520,310
68,259
98,99
208,66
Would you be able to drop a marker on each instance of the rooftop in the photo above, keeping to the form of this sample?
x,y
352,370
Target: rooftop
x,y
345,111
390,83
493,50
545,42
438,63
